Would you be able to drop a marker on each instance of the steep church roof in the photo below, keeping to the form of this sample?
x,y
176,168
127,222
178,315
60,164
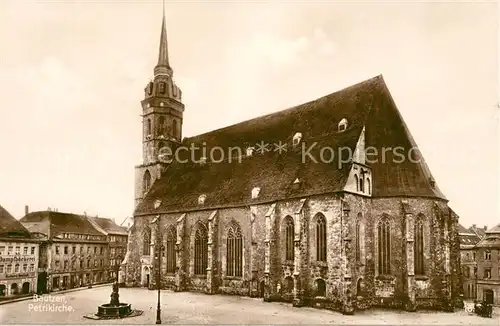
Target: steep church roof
x,y
366,105
10,227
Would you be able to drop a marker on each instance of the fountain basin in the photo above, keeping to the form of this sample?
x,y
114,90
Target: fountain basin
x,y
114,311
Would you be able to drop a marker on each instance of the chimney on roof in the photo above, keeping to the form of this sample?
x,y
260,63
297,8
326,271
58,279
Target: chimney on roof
x,y
485,227
85,213
26,209
474,226
48,209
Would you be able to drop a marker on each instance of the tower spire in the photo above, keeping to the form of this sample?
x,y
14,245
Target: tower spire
x,y
163,66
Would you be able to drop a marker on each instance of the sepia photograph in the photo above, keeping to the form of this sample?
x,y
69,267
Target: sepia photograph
x,y
249,162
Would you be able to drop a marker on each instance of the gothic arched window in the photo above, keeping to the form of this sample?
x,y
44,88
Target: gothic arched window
x,y
170,248
418,244
289,237
146,241
146,182
201,250
320,238
356,179
148,127
384,246
234,256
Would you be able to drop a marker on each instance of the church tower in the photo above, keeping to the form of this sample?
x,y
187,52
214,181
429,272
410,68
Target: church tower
x,y
162,112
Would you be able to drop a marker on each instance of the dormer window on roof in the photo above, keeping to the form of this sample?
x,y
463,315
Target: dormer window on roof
x,y
255,192
250,151
342,125
201,199
297,138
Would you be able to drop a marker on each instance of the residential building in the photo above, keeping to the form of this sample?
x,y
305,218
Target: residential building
x,y
116,236
488,266
73,253
18,258
468,241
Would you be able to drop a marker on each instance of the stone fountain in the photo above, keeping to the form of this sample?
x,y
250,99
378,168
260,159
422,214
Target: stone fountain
x,y
115,308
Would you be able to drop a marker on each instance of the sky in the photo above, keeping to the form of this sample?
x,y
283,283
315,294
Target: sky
x,y
72,75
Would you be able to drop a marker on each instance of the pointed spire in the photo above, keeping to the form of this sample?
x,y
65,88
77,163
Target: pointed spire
x,y
163,66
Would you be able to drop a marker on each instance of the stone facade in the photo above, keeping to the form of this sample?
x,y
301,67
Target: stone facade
x,y
286,228
348,279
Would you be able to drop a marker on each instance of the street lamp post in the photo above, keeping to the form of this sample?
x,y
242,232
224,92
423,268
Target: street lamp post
x,y
159,250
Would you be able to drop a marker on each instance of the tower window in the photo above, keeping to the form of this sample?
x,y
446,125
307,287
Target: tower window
x,y
146,181
148,127
342,125
175,129
161,125
146,244
162,88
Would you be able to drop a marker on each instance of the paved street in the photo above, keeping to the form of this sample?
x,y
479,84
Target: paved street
x,y
192,308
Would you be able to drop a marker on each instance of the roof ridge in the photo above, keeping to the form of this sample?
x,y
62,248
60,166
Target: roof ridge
x,y
367,81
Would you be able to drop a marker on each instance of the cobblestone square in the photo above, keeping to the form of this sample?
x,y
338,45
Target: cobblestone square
x,y
193,308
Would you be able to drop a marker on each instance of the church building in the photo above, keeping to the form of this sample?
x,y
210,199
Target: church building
x,y
328,203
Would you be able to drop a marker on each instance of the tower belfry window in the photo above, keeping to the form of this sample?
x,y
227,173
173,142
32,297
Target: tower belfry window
x,y
162,88
148,127
161,125
174,129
